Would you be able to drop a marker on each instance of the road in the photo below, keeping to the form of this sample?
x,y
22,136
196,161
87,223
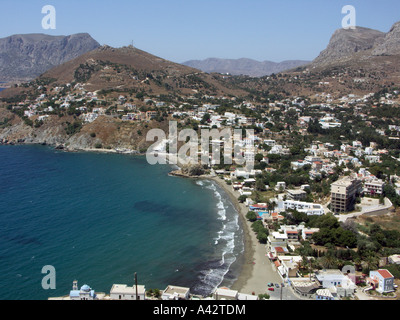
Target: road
x,y
287,293
373,209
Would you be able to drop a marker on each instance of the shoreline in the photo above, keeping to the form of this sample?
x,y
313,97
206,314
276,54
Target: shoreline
x,y
257,270
246,271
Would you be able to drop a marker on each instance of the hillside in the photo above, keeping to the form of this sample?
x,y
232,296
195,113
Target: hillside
x,y
26,56
127,80
115,80
358,61
345,43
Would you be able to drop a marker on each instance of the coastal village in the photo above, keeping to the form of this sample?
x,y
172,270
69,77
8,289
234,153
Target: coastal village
x,y
325,170
301,159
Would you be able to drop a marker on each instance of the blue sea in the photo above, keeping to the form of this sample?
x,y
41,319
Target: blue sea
x,y
99,218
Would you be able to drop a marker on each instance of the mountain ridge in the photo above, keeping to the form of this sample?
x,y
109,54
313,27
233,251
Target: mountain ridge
x,y
26,56
359,44
244,66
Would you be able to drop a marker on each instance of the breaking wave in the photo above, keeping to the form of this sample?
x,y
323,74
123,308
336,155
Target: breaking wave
x,y
228,244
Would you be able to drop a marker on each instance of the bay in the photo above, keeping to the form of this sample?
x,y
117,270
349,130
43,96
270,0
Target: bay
x,y
99,218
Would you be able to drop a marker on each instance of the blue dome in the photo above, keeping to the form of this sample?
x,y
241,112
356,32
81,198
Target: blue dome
x,y
85,288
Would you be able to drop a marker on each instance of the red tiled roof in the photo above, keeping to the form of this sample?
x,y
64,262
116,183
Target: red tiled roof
x,y
277,264
279,249
291,231
385,274
258,206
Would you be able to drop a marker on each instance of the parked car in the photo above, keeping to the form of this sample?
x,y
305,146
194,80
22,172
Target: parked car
x,y
271,289
277,285
270,284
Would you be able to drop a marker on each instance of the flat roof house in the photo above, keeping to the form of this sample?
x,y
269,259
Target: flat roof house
x,y
296,194
176,293
306,233
394,259
124,292
374,187
224,293
334,278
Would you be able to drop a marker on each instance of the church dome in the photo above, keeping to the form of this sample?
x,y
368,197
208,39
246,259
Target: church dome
x,y
85,288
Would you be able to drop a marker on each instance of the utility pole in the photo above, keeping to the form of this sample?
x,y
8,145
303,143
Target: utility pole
x,y
136,284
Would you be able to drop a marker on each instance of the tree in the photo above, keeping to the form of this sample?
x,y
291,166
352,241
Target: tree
x,y
251,216
328,261
261,231
205,119
345,238
260,186
296,217
262,236
271,205
157,293
258,157
372,262
305,250
323,236
264,296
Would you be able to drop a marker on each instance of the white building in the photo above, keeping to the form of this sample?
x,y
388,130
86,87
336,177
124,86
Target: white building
x,y
123,292
306,207
280,186
270,143
90,117
373,159
241,173
394,259
334,278
382,280
374,187
176,293
224,293
85,293
296,194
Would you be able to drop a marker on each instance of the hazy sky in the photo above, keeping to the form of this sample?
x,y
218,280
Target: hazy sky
x,y
181,30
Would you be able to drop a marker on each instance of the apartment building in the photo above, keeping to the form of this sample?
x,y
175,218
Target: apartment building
x,y
344,193
297,195
374,187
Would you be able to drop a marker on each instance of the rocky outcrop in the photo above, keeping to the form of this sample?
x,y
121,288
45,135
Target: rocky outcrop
x,y
359,43
26,56
390,43
346,42
189,171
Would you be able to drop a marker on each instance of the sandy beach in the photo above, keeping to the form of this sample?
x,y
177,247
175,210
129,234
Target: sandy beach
x,y
257,270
